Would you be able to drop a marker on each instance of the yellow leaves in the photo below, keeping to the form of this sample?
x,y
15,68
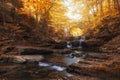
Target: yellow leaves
x,y
75,31
36,6
25,1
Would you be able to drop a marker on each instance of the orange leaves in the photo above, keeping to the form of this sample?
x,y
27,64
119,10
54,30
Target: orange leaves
x,y
36,6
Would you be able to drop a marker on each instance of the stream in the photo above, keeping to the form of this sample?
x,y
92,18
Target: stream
x,y
52,67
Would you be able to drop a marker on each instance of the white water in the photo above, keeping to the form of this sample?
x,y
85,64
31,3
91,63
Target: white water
x,y
69,45
83,38
44,64
58,68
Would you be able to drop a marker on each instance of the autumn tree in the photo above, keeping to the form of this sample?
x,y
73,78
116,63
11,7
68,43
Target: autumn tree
x,y
109,6
39,9
117,5
16,6
68,13
58,19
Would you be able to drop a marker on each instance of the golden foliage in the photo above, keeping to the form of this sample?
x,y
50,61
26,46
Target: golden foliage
x,y
71,13
33,7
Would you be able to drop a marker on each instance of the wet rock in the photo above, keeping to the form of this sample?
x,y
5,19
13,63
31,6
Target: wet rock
x,y
113,46
17,59
104,66
92,44
20,59
6,49
25,50
60,45
35,51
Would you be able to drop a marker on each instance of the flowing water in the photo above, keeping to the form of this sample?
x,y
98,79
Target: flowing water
x,y
52,67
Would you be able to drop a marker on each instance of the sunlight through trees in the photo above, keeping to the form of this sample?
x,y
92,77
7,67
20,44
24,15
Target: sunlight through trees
x,y
59,14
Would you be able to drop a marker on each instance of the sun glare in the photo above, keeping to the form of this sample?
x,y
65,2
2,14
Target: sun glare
x,y
67,2
75,17
73,12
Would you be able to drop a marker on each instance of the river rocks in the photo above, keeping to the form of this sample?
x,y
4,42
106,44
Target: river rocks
x,y
105,66
6,49
112,46
29,50
34,51
20,59
60,45
25,50
92,44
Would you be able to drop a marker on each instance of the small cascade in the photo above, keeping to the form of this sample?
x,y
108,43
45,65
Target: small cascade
x,y
70,46
44,64
52,66
58,68
66,30
83,38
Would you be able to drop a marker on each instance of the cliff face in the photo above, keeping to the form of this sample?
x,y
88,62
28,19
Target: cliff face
x,y
106,35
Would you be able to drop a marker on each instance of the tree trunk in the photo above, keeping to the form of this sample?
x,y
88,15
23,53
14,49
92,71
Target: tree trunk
x,y
89,20
3,12
101,7
94,13
37,21
118,6
109,7
96,6
114,1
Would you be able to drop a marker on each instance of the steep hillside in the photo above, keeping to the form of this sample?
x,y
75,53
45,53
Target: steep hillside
x,y
105,36
17,28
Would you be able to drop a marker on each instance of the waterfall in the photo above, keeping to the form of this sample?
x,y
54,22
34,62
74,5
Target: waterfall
x,y
83,38
66,29
69,44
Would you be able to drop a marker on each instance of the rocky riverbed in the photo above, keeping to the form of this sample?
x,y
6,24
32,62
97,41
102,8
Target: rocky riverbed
x,y
54,64
42,67
102,65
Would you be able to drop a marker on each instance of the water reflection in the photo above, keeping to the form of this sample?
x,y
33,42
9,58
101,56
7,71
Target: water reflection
x,y
68,74
70,61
